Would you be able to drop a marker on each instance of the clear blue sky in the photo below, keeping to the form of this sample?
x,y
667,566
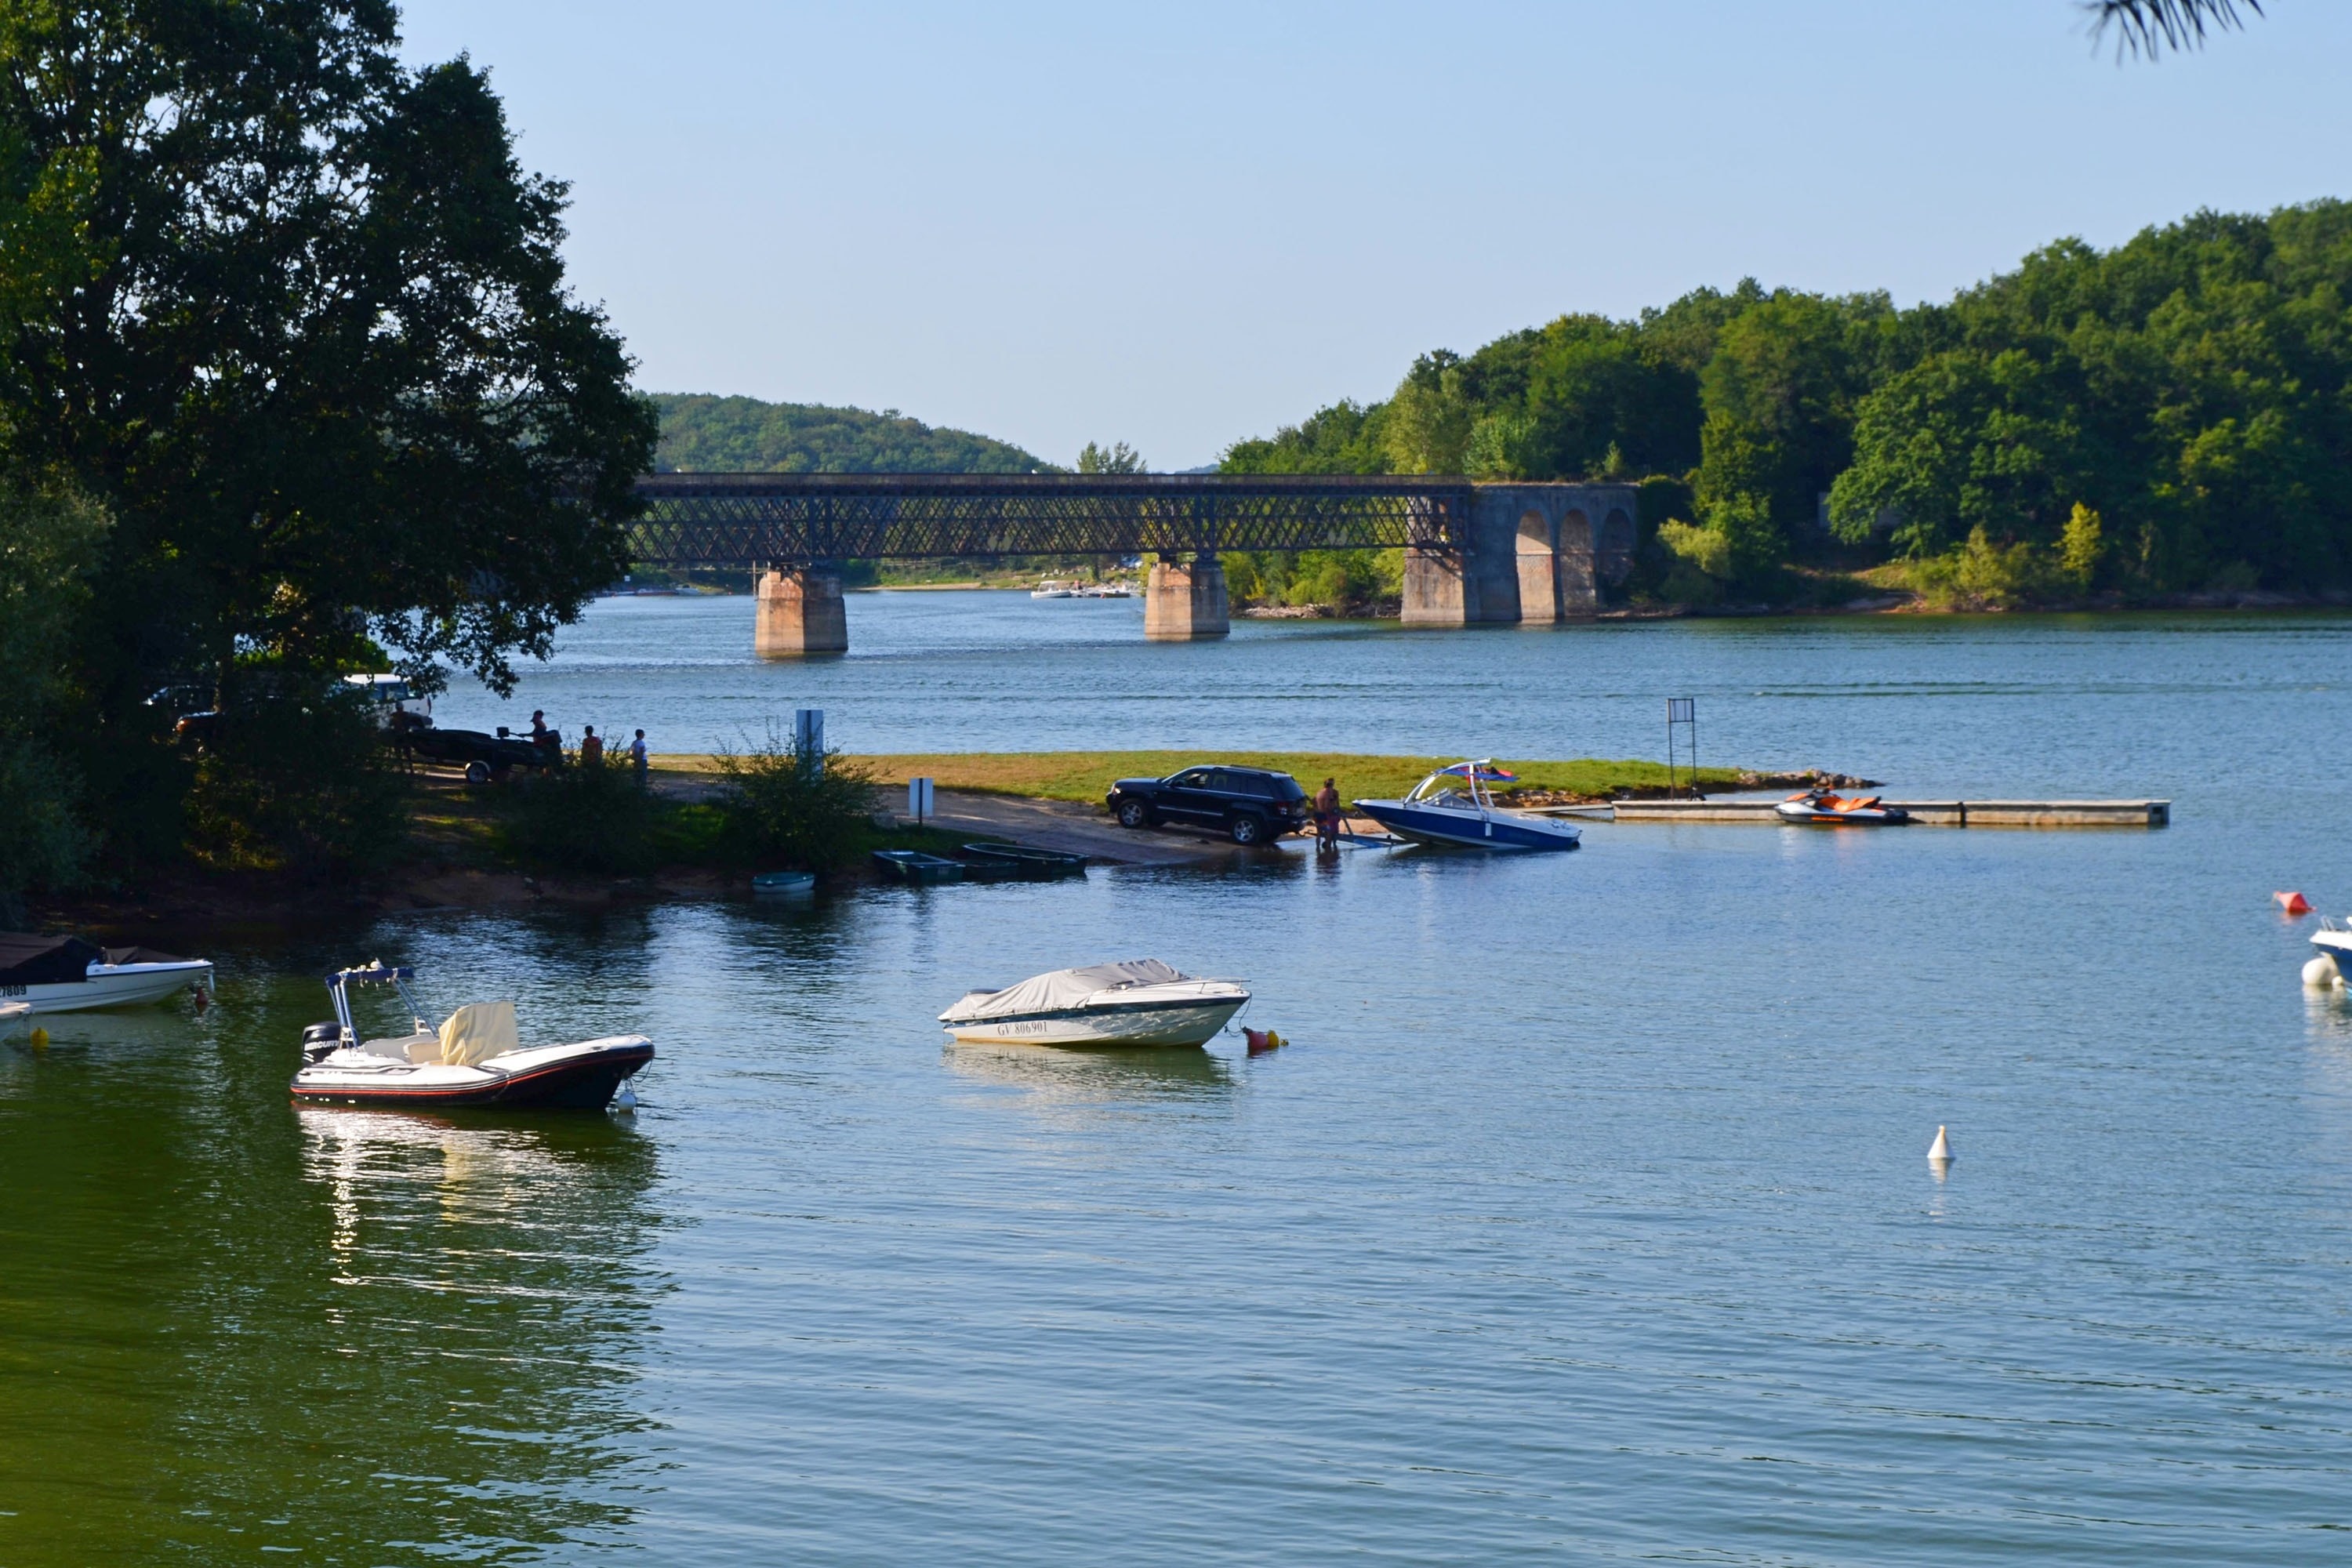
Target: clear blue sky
x,y
1178,225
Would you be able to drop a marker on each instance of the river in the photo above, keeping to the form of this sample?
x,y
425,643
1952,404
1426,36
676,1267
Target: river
x,y
1585,1219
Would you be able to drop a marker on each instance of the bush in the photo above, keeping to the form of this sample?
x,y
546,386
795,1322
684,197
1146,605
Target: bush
x,y
295,776
785,812
588,816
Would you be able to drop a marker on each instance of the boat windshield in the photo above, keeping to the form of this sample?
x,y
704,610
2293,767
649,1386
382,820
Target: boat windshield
x,y
1464,783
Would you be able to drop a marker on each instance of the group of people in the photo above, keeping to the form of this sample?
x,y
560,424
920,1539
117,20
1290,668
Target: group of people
x,y
591,744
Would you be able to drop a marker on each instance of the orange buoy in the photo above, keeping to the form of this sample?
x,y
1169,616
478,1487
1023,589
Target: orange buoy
x,y
1261,1040
2293,903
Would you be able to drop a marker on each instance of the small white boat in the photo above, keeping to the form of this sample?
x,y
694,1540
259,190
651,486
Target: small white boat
x,y
1109,591
1451,807
473,1059
2334,944
1140,1003
67,974
1050,589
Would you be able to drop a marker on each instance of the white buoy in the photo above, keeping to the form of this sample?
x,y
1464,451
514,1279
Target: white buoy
x,y
1939,1153
626,1099
2321,973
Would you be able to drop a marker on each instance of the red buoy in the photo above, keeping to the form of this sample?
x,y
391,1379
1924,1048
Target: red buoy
x,y
2293,903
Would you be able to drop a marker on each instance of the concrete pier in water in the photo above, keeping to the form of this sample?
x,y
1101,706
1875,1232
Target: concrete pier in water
x,y
1185,601
799,611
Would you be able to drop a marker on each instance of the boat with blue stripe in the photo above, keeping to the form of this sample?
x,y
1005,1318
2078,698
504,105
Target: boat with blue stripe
x,y
1454,807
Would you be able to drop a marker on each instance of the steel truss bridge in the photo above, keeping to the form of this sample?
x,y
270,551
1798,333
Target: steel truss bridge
x,y
750,520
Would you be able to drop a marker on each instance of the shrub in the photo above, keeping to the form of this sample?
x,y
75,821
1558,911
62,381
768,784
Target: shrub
x,y
784,811
295,776
588,816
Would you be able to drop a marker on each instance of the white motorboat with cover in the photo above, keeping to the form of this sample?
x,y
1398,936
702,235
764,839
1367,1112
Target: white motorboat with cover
x,y
67,974
1142,1002
1451,807
474,1058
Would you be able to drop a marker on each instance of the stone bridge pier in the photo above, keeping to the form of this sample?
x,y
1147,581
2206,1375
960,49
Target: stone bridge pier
x,y
1536,555
1184,601
799,611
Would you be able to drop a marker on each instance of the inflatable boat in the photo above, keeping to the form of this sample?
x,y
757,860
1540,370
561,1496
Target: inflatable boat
x,y
473,1059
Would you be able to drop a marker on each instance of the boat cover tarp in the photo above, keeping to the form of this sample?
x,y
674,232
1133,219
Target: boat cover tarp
x,y
476,1032
141,955
44,960
1061,988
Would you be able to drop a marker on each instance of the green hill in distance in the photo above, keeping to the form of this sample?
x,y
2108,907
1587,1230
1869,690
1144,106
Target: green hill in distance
x,y
701,433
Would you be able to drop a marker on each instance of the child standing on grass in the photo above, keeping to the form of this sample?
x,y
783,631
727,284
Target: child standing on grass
x,y
592,747
638,757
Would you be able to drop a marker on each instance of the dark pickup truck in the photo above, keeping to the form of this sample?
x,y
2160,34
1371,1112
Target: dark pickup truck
x,y
1250,805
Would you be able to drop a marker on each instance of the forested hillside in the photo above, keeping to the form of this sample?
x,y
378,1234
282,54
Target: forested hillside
x,y
706,434
2173,415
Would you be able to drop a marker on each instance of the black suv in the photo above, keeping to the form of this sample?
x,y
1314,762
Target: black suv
x,y
1250,804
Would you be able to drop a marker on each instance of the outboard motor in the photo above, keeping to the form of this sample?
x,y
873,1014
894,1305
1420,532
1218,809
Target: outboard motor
x,y
319,1040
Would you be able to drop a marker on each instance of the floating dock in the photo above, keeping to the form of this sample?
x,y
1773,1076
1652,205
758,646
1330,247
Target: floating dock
x,y
1931,813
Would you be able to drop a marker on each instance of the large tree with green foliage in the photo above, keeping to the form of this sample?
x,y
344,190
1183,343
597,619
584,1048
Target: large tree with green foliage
x,y
313,350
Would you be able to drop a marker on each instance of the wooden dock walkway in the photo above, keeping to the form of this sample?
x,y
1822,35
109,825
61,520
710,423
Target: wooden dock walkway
x,y
1931,813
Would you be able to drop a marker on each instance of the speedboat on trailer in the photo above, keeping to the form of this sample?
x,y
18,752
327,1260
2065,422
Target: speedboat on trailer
x,y
1453,807
1140,1003
67,974
473,1059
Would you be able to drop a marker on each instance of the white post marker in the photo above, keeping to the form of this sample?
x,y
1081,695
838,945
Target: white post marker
x,y
1939,1153
918,799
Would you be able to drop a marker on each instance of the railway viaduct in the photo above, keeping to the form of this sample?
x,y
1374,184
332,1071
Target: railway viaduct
x,y
1474,553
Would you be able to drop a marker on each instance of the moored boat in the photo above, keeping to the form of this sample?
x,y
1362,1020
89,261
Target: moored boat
x,y
1142,1002
67,974
914,865
1050,589
1025,860
473,1059
1827,809
1454,807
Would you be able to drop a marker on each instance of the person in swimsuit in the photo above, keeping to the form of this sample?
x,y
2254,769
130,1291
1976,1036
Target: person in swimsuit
x,y
1327,816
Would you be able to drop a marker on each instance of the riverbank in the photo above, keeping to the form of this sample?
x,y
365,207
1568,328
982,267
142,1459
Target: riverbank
x,y
459,852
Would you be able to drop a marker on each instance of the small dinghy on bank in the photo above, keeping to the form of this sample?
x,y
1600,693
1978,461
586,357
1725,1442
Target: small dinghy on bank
x,y
1140,1003
67,974
473,1059
1825,809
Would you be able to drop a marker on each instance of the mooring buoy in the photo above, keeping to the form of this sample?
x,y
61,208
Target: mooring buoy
x,y
2321,973
1939,1153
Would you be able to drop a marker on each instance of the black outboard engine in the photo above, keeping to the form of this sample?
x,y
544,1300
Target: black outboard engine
x,y
319,1040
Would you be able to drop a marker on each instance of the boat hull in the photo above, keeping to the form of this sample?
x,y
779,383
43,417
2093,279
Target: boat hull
x,y
112,985
561,1077
1469,829
1149,1024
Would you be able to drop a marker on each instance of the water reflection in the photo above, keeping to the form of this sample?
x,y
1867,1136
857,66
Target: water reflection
x,y
1068,1074
369,1337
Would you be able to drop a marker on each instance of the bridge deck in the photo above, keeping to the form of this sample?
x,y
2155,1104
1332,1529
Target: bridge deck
x,y
736,519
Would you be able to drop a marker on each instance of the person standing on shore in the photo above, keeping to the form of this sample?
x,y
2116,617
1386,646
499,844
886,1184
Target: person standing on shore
x,y
638,757
1327,816
592,747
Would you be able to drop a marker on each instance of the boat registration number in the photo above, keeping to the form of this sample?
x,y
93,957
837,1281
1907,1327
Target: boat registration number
x,y
11,991
1034,1027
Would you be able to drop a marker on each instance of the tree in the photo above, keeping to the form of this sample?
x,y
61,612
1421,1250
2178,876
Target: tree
x,y
321,366
46,540
1116,459
2148,28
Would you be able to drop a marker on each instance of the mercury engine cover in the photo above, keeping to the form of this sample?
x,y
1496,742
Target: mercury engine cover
x,y
320,1039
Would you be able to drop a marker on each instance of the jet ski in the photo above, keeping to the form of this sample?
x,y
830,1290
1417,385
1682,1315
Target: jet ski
x,y
1831,810
473,1059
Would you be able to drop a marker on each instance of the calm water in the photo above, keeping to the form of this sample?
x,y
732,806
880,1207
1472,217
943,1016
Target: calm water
x,y
1587,1220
